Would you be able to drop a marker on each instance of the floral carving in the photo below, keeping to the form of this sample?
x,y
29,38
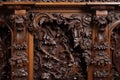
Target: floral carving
x,y
100,73
53,36
101,59
20,46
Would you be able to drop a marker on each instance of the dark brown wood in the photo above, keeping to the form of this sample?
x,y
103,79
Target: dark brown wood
x,y
60,40
5,52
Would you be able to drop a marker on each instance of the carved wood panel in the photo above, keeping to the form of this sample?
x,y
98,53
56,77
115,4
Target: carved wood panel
x,y
67,45
115,53
5,52
59,51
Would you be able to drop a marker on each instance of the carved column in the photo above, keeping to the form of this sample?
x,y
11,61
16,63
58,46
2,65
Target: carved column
x,y
19,59
100,57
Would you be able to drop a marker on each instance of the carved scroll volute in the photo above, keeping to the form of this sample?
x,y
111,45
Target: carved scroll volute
x,y
19,57
59,43
101,57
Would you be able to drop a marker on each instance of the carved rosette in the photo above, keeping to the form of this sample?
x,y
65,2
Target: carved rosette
x,y
19,59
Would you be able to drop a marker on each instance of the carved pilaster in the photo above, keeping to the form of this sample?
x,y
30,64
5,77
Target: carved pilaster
x,y
19,59
101,58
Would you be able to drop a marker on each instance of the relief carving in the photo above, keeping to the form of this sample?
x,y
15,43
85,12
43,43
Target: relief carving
x,y
101,58
100,74
19,59
5,45
57,39
115,52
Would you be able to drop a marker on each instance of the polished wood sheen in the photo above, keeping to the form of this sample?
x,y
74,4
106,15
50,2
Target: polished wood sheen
x,y
60,40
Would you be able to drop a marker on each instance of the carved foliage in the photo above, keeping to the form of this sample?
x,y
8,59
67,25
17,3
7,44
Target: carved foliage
x,y
57,39
115,52
19,57
5,38
101,58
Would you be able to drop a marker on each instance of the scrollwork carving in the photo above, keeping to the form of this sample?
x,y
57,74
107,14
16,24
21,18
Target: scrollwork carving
x,y
53,49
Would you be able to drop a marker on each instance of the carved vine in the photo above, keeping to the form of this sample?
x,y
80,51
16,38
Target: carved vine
x,y
53,36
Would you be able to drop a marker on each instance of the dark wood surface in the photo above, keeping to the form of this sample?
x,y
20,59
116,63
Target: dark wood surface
x,y
59,40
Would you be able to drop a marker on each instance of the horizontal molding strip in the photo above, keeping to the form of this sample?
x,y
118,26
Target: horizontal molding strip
x,y
59,3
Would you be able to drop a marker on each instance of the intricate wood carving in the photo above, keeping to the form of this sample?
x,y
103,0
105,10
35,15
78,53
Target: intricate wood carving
x,y
5,51
19,57
62,45
115,37
101,58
